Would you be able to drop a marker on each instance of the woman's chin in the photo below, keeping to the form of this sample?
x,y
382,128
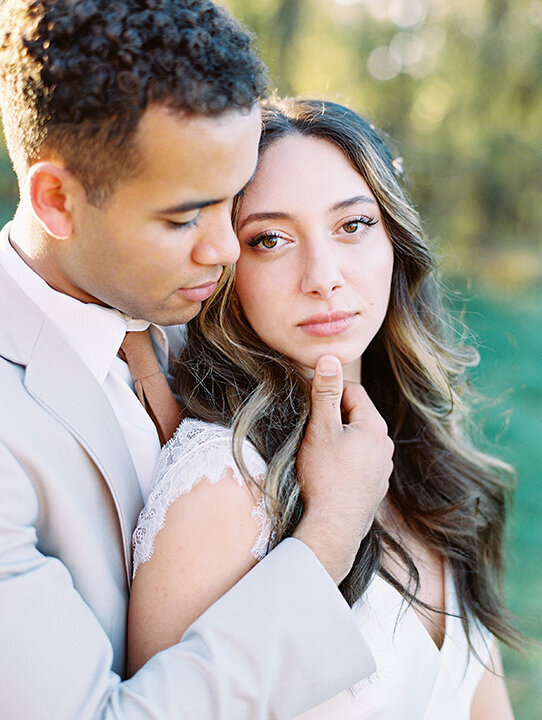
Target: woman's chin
x,y
351,367
309,371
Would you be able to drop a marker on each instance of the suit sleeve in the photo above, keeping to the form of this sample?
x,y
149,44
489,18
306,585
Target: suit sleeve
x,y
279,642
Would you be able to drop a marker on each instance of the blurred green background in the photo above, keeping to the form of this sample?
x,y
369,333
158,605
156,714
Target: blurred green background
x,y
458,85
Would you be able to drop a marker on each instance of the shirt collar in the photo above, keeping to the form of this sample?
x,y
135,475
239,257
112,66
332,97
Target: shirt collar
x,y
94,332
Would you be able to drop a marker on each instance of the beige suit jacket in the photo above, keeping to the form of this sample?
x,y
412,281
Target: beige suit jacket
x,y
281,641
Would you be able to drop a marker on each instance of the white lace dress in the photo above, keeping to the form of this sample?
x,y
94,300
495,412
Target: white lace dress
x,y
197,450
414,679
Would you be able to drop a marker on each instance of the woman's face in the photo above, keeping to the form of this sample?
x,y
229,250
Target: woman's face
x,y
314,274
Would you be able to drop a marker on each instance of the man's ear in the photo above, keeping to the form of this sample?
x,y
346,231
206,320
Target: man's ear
x,y
52,191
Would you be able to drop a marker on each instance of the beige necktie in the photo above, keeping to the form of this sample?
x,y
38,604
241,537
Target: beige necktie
x,y
150,383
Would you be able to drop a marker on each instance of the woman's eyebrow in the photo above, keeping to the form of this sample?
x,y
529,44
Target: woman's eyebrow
x,y
341,205
358,199
264,216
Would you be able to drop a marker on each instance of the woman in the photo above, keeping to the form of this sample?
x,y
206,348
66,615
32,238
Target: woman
x,y
333,262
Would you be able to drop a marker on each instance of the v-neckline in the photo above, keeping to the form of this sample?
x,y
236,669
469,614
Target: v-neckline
x,y
447,582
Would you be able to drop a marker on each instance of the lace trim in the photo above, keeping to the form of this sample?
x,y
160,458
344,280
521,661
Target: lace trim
x,y
197,450
266,538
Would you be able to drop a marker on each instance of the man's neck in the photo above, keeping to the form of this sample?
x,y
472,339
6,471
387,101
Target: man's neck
x,y
36,249
29,241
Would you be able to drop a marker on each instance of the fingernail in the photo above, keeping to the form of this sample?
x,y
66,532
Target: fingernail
x,y
327,366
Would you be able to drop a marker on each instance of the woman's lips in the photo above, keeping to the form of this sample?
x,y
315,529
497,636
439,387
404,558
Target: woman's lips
x,y
325,324
200,292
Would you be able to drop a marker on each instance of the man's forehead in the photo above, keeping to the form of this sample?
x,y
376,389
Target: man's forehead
x,y
158,114
194,158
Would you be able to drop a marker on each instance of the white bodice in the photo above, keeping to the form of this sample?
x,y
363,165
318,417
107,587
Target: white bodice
x,y
414,679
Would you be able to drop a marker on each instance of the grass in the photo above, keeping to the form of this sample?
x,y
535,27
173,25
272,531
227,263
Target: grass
x,y
509,328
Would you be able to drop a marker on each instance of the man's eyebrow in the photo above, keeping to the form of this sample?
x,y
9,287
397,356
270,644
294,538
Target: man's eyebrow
x,y
187,206
264,216
344,204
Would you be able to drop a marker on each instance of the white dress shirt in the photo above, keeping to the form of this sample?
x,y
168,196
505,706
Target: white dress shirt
x,y
95,333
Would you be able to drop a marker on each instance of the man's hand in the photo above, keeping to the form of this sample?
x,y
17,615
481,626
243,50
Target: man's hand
x,y
344,468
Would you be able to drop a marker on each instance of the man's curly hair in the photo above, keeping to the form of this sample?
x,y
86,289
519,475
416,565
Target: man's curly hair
x,y
77,75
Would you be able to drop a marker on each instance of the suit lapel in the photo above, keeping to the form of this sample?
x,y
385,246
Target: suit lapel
x,y
61,382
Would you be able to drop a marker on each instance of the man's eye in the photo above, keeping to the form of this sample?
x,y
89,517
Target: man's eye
x,y
183,225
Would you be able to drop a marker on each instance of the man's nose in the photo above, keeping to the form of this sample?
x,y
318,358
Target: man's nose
x,y
218,245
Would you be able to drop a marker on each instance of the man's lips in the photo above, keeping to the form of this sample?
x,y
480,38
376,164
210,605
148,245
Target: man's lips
x,y
198,293
325,324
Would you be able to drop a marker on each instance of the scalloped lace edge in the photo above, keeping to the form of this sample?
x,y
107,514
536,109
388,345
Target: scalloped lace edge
x,y
197,451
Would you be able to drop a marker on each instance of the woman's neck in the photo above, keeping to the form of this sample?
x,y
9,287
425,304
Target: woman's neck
x,y
352,371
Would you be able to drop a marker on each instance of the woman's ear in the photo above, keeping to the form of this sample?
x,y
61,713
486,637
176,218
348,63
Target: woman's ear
x,y
52,190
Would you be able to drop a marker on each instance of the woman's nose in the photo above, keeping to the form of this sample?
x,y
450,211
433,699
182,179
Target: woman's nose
x,y
322,276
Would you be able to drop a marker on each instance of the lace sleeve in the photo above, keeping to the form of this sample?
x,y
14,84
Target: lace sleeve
x,y
197,450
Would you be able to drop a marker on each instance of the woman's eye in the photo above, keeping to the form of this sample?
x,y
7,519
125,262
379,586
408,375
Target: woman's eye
x,y
352,226
269,241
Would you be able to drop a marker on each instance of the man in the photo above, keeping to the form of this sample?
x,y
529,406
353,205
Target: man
x,y
131,125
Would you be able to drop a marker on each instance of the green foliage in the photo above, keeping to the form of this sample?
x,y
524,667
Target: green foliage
x,y
8,185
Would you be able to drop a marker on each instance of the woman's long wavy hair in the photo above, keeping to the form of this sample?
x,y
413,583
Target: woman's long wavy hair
x,y
446,492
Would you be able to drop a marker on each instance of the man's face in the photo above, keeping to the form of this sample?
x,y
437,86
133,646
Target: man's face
x,y
160,243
